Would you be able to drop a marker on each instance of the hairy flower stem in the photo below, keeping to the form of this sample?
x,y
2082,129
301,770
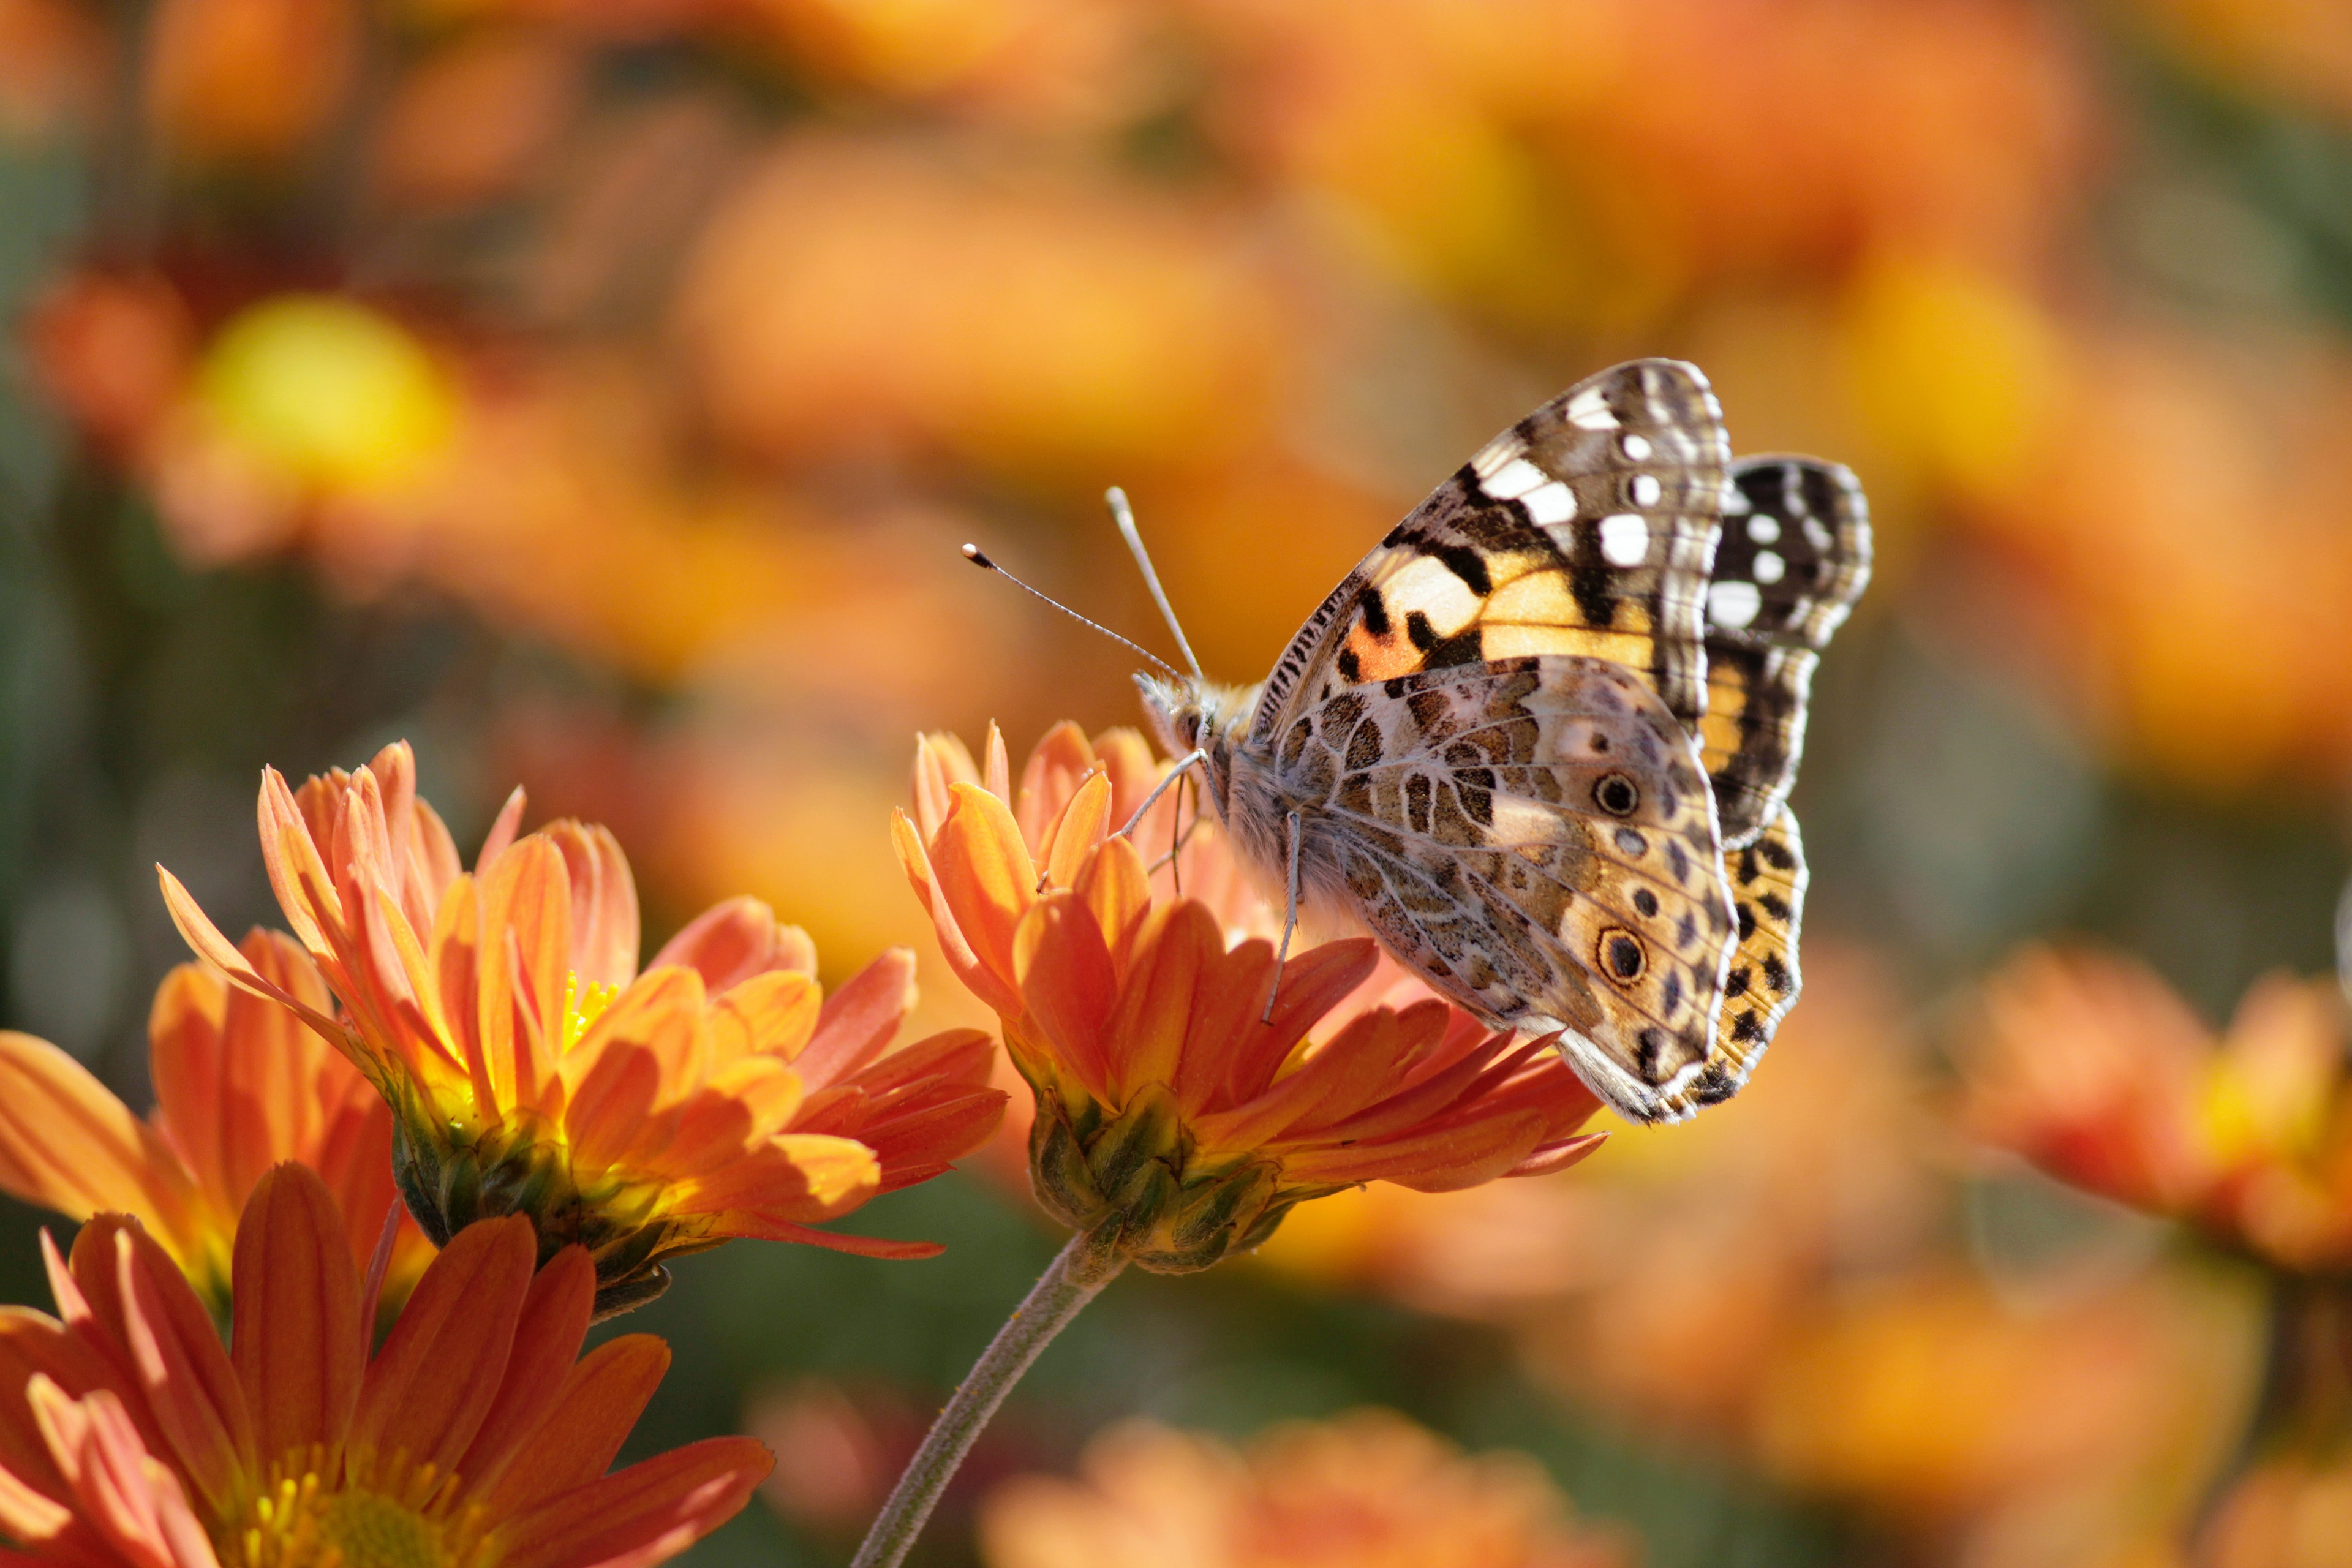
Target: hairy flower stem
x,y
1077,1275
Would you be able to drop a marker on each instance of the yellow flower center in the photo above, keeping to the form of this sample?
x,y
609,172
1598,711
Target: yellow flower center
x,y
389,1515
582,1005
373,1531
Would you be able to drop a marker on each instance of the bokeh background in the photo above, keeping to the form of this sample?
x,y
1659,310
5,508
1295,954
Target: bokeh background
x,y
595,392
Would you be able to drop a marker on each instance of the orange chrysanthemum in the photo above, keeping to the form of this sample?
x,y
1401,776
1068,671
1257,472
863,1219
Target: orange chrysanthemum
x,y
472,1440
1369,1487
2089,1065
1163,1101
240,1085
532,1069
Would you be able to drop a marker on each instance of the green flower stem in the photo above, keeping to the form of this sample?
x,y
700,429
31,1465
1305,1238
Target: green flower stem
x,y
1074,1279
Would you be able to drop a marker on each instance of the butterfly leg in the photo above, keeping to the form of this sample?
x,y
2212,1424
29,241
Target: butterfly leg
x,y
1290,924
1182,765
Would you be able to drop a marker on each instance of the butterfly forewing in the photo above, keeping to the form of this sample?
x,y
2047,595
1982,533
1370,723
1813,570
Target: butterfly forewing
x,y
1587,528
1793,558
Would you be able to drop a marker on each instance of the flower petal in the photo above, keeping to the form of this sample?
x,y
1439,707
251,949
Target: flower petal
x,y
191,1386
577,1435
297,1340
547,1343
983,872
859,1018
429,1388
641,1515
67,1143
729,944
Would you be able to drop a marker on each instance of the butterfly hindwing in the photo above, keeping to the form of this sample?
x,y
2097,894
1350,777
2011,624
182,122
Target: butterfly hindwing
x,y
1768,888
1535,837
1793,558
1585,529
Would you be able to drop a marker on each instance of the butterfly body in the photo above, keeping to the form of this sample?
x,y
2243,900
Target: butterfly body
x,y
1493,735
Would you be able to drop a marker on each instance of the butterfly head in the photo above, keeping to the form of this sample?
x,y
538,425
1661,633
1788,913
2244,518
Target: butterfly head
x,y
1189,716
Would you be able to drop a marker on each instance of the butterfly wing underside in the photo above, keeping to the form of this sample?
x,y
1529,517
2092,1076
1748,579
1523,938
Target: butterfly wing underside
x,y
1534,836
1586,529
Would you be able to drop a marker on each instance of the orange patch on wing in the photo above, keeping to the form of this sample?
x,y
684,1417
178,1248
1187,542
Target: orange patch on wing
x,y
1381,658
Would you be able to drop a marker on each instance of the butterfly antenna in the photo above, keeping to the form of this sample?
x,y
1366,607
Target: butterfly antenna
x,y
974,553
1124,515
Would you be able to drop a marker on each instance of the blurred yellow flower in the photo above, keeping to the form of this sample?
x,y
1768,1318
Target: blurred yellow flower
x,y
2089,1065
327,392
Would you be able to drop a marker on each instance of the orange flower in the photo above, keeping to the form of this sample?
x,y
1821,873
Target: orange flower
x,y
2089,1065
240,1087
532,1069
1369,1487
1163,1103
471,1439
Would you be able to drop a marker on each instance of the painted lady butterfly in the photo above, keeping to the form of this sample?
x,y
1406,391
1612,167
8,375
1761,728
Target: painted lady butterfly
x,y
1540,740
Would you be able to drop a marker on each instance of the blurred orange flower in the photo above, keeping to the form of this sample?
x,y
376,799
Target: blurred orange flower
x,y
2088,1065
531,1068
1365,1487
1163,1101
474,1436
240,1085
2289,1513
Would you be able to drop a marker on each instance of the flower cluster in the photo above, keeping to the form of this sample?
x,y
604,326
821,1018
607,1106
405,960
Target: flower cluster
x,y
2090,1066
477,1435
532,1069
1171,1107
1367,1487
241,1084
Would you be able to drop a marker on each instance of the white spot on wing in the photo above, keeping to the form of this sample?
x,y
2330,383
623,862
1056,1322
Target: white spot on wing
x,y
1589,410
1769,568
1555,502
1646,490
1764,530
1429,586
1636,448
1514,479
1732,605
1624,540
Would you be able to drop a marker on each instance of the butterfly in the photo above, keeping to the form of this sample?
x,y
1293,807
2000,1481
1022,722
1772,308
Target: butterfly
x,y
1540,741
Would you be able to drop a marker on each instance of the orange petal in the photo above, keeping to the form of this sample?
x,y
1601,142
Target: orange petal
x,y
502,830
1440,1160
800,1176
525,957
996,992
277,1076
859,1018
547,1342
191,1386
207,942
1069,987
296,1339
33,1343
1074,831
984,873
1155,1002
429,1388
751,1228
1051,777
773,1014
604,923
1116,886
601,1399
642,1515
132,1500
729,944
67,1143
